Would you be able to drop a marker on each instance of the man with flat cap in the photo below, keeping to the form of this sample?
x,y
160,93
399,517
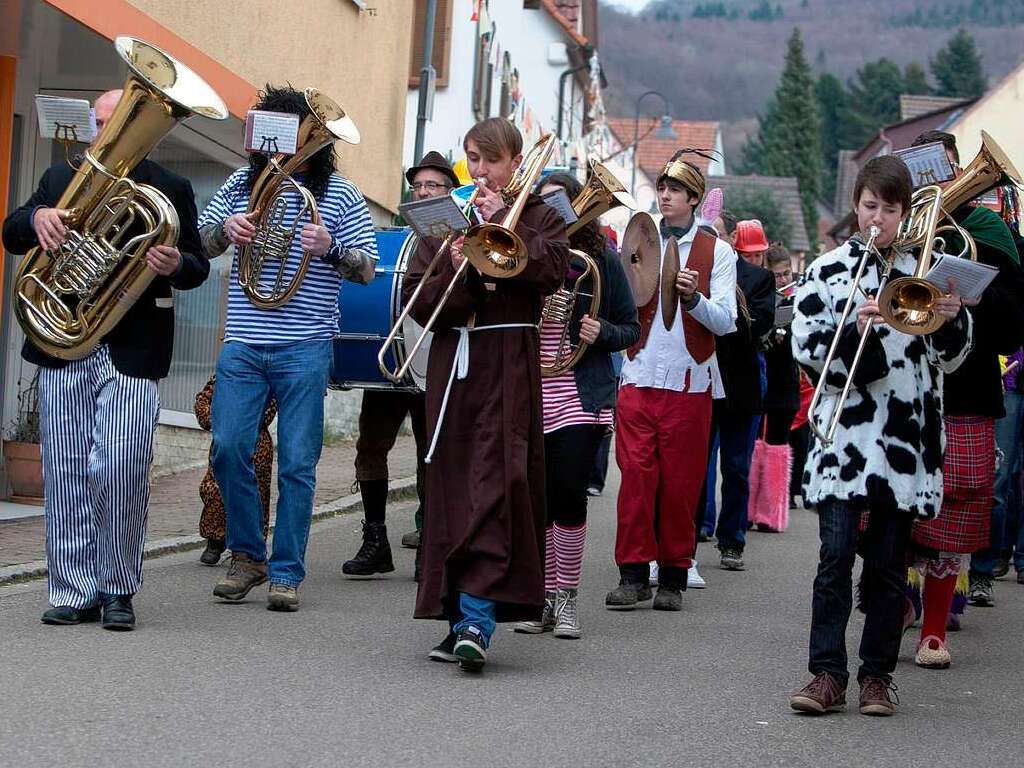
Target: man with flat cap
x,y
382,414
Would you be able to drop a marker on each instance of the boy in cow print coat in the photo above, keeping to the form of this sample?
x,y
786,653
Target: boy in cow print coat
x,y
886,457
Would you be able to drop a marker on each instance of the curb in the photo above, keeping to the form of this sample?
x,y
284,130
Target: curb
x,y
398,490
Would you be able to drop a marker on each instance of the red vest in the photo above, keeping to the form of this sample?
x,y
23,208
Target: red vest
x,y
700,342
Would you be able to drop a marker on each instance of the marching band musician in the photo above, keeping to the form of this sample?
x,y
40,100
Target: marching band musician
x,y
577,413
284,354
381,415
664,407
886,458
482,553
98,414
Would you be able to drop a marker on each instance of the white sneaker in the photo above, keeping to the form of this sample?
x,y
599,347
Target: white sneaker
x,y
547,620
694,579
653,578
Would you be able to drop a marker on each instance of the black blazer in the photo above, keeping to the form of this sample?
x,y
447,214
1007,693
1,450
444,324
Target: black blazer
x,y
141,344
738,351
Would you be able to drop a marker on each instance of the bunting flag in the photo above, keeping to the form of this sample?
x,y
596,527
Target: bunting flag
x,y
477,6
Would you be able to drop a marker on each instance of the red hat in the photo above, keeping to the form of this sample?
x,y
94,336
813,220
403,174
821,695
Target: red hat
x,y
750,236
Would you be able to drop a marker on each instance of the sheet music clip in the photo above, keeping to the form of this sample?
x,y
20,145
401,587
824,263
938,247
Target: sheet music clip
x,y
271,133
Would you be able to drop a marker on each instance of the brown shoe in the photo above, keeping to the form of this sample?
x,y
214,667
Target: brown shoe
x,y
282,598
878,696
244,573
825,693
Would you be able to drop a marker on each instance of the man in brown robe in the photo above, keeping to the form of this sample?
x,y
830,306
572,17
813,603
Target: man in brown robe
x,y
483,536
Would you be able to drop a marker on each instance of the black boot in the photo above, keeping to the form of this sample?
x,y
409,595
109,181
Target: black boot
x,y
374,556
214,549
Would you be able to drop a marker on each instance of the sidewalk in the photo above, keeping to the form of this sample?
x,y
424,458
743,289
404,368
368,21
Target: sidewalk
x,y
175,507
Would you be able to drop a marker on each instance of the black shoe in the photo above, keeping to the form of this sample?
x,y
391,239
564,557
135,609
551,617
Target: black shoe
x,y
470,650
445,650
625,596
214,549
118,613
732,559
65,615
668,599
374,556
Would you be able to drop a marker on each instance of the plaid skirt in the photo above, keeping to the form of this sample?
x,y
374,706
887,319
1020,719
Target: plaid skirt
x,y
968,474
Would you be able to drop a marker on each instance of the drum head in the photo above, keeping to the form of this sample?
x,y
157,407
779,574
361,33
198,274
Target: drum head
x,y
669,270
641,256
411,330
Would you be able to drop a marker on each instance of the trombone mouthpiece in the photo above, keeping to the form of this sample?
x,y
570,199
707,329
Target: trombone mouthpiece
x,y
873,231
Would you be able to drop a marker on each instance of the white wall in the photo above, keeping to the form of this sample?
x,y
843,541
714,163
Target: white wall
x,y
526,35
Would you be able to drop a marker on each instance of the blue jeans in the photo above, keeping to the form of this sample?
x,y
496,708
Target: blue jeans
x,y
1009,430
882,595
736,433
248,376
476,612
710,484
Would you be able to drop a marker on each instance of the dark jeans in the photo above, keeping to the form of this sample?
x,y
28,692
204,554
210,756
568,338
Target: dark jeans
x,y
777,424
568,458
884,580
736,435
600,470
800,442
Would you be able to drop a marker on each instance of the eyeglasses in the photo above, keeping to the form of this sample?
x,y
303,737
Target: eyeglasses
x,y
429,186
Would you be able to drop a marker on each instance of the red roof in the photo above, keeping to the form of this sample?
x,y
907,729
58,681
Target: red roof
x,y
654,153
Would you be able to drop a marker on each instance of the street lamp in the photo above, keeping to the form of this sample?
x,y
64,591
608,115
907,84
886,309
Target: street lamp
x,y
664,131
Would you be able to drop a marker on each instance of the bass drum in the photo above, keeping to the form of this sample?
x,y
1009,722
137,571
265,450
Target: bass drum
x,y
366,314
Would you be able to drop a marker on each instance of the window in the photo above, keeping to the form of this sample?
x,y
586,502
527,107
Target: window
x,y
483,72
442,42
505,102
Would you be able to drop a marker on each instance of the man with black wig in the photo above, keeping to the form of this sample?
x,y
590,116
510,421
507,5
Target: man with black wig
x,y
283,354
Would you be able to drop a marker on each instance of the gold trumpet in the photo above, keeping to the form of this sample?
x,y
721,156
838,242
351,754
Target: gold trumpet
x,y
67,300
325,124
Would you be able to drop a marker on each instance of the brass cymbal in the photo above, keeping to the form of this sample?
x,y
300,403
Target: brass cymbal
x,y
640,255
669,270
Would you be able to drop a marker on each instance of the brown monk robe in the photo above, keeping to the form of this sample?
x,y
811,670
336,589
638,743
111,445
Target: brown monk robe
x,y
483,530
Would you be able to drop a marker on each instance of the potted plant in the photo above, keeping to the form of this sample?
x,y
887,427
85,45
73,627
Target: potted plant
x,y
22,455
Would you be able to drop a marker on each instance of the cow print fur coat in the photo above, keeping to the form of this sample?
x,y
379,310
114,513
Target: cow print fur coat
x,y
888,447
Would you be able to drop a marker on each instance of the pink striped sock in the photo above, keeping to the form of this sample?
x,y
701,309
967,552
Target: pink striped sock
x,y
569,553
550,568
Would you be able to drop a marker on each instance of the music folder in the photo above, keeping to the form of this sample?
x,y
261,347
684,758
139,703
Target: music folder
x,y
434,217
972,277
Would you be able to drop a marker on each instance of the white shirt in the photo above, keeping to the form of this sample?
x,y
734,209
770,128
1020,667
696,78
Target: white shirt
x,y
664,361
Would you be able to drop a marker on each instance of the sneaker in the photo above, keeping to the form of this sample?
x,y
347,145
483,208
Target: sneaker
x,y
411,540
693,579
445,650
825,693
243,574
932,653
282,597
981,592
652,577
547,619
567,618
668,599
878,696
593,490
374,555
732,559
470,650
1002,567
625,596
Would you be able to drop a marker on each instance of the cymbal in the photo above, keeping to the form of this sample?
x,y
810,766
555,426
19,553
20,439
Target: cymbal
x,y
669,270
640,255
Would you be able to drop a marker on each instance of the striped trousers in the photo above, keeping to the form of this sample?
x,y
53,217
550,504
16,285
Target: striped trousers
x,y
97,430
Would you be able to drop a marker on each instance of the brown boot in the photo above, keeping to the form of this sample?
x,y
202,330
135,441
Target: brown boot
x,y
244,573
825,693
878,696
282,598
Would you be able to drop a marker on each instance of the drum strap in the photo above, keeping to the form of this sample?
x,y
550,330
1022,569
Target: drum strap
x,y
460,369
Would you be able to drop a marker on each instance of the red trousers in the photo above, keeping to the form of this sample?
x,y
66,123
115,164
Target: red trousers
x,y
661,446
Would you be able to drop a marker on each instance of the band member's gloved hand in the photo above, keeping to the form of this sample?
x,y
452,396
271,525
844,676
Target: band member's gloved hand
x,y
164,259
590,329
48,224
315,239
239,228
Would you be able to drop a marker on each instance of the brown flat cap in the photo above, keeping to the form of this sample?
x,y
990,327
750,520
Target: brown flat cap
x,y
436,161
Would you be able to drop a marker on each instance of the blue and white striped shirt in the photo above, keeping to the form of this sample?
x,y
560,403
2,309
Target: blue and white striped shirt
x,y
312,312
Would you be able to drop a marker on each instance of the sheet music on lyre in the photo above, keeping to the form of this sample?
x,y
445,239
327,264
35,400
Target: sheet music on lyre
x,y
559,200
65,120
972,277
928,163
434,217
273,133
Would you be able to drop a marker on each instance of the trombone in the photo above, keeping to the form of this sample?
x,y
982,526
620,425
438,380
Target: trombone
x,y
494,249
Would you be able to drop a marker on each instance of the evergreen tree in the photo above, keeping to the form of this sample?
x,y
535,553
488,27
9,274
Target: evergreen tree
x,y
957,68
788,140
831,106
915,81
759,204
874,101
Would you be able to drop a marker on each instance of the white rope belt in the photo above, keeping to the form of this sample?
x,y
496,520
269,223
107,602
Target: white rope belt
x,y
460,369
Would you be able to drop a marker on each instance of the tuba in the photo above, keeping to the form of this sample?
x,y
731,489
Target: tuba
x,y
325,124
906,303
601,193
66,301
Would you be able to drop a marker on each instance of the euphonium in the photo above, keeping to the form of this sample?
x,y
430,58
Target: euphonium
x,y
325,124
907,302
67,301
